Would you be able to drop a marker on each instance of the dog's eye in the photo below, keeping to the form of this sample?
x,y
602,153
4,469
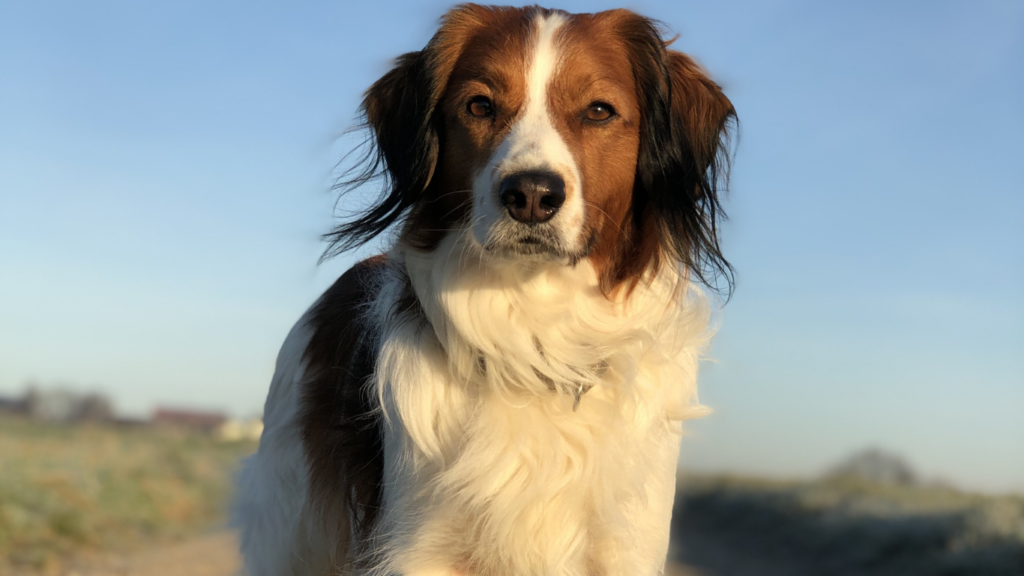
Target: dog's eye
x,y
600,111
480,107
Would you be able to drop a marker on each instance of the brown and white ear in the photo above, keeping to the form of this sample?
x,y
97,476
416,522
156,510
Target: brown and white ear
x,y
702,108
399,111
684,162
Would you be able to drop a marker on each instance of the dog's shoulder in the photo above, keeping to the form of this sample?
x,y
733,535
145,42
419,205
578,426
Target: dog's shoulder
x,y
341,433
338,322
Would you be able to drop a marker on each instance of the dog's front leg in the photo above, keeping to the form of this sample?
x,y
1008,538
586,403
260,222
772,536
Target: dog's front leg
x,y
645,553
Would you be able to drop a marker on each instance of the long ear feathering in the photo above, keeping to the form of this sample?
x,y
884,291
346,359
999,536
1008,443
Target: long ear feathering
x,y
708,121
403,142
684,154
397,112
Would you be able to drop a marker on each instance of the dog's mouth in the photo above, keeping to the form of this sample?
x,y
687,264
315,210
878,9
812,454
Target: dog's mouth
x,y
534,243
527,247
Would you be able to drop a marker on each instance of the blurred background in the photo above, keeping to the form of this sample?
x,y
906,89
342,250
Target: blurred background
x,y
165,173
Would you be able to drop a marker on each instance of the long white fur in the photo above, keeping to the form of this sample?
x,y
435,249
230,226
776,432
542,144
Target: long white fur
x,y
278,535
492,472
488,469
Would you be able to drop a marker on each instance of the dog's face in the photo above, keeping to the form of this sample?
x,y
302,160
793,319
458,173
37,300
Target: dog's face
x,y
544,134
551,137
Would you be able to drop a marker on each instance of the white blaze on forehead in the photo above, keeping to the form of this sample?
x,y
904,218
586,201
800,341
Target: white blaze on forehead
x,y
545,60
534,145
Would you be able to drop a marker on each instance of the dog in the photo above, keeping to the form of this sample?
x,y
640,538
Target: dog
x,y
499,393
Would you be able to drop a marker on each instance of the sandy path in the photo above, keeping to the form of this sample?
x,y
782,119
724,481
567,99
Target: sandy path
x,y
211,555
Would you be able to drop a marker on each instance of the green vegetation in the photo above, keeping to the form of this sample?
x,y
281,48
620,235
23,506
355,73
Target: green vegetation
x,y
847,526
70,490
67,492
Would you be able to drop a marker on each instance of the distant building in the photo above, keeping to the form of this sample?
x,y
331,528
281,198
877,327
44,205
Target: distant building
x,y
61,405
13,406
131,422
65,406
94,408
196,421
235,430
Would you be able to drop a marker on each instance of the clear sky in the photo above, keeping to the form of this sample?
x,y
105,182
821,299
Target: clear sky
x,y
164,175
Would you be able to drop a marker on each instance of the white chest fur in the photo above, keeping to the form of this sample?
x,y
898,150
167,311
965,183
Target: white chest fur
x,y
489,469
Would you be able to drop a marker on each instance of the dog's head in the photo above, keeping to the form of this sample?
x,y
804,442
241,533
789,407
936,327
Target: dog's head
x,y
554,137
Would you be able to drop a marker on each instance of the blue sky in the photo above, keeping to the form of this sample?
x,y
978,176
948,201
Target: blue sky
x,y
164,176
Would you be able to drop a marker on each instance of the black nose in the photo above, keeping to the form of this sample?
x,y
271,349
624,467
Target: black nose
x,y
532,197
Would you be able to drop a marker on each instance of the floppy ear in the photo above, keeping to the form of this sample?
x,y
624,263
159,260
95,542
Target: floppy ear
x,y
398,111
683,159
703,113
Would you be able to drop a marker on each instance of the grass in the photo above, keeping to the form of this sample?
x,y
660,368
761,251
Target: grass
x,y
70,490
852,527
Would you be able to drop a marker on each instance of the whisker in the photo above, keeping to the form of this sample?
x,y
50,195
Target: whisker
x,y
465,242
460,206
609,216
453,192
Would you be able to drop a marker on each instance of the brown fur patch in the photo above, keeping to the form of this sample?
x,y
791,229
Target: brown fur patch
x,y
493,64
595,67
599,63
340,426
478,51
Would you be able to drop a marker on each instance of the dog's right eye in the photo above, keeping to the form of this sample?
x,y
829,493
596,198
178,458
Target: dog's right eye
x,y
480,107
599,112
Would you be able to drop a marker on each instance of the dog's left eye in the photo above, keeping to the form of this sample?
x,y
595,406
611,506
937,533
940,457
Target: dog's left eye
x,y
600,111
480,107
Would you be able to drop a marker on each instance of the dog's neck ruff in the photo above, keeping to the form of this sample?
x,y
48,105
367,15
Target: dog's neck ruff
x,y
514,331
470,348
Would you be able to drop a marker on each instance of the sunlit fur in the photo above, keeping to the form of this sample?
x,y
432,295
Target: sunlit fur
x,y
495,473
533,144
468,406
278,536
